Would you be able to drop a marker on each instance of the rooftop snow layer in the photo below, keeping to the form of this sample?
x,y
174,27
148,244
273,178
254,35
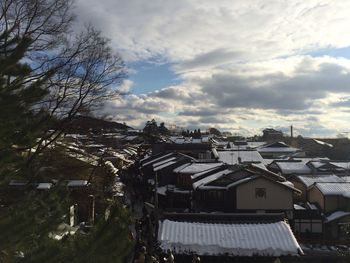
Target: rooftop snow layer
x,y
293,167
336,215
265,239
345,165
163,162
311,179
44,186
77,183
196,175
160,167
197,168
156,159
178,169
342,189
211,178
231,157
323,143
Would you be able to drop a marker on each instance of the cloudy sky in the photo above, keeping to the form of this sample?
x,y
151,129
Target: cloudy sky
x,y
236,65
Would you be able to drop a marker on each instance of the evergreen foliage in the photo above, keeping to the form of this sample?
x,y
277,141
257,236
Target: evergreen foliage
x,y
196,134
163,130
214,131
46,77
40,214
152,131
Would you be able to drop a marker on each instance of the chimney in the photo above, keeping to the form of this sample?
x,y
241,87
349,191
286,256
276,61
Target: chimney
x,y
291,131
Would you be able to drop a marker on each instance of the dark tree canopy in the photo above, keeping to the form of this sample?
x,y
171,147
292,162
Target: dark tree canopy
x,y
48,74
214,131
163,130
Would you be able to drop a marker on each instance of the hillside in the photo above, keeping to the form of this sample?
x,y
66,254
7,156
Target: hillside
x,y
85,124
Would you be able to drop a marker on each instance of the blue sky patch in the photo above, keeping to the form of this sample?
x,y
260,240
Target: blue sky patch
x,y
332,52
151,76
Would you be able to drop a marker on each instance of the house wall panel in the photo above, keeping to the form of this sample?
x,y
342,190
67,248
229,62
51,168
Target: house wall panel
x,y
277,197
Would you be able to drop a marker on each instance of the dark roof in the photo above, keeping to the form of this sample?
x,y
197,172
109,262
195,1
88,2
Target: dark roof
x,y
225,217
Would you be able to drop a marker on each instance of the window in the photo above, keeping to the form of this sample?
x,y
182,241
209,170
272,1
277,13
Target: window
x,y
260,193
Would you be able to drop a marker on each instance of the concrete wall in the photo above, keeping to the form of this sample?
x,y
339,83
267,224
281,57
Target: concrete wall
x,y
278,197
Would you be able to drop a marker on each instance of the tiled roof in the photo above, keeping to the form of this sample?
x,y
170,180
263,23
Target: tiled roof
x,y
197,167
293,167
342,189
254,239
231,157
309,180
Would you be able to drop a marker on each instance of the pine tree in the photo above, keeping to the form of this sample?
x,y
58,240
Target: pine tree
x,y
37,70
19,119
151,131
163,130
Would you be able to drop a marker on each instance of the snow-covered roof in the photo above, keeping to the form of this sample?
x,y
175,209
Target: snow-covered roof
x,y
323,143
18,183
113,169
342,189
96,145
156,159
346,178
311,206
130,151
44,186
211,178
317,163
265,239
293,167
309,180
119,155
130,137
205,139
163,162
77,183
279,147
179,140
255,144
197,167
196,140
238,182
288,183
326,165
220,143
260,165
159,167
196,175
231,157
345,165
147,156
178,169
299,207
161,190
336,215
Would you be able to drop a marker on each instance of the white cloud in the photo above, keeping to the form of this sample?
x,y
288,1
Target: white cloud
x,y
243,64
126,86
182,30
